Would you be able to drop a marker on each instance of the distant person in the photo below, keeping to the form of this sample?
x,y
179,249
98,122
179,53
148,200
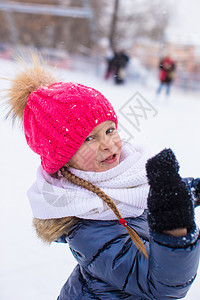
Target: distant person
x,y
116,66
109,57
110,70
167,71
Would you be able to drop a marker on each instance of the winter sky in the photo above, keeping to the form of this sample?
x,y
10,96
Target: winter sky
x,y
185,22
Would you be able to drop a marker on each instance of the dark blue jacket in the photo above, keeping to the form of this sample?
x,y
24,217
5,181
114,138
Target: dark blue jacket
x,y
111,267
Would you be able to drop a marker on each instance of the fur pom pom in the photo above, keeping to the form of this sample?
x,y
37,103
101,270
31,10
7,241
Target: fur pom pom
x,y
27,80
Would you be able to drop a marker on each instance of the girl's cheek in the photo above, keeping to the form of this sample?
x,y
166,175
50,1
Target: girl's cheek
x,y
87,153
88,157
116,137
118,142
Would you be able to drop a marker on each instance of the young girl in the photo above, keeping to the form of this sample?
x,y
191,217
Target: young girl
x,y
128,218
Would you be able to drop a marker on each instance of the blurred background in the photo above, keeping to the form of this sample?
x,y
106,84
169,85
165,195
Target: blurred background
x,y
84,34
119,47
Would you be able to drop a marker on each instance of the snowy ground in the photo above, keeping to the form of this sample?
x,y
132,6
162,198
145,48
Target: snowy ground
x,y
31,270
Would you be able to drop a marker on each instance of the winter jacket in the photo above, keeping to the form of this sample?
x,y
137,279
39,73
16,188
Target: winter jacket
x,y
111,267
167,68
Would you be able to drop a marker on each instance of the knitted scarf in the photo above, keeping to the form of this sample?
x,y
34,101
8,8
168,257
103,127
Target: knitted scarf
x,y
126,184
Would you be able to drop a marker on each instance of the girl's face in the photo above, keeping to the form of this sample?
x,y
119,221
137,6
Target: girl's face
x,y
100,151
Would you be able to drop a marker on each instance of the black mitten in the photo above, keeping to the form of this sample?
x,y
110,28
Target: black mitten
x,y
169,201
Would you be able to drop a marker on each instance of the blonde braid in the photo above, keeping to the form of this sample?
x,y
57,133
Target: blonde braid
x,y
91,187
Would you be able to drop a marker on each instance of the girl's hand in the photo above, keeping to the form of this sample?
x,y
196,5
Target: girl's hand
x,y
177,232
170,204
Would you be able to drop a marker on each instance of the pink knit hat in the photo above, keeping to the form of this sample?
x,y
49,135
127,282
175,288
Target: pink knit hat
x,y
58,118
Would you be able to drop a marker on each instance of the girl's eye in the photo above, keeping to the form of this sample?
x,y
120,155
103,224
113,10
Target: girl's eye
x,y
89,138
110,130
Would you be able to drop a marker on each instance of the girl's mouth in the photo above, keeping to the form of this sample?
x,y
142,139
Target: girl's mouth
x,y
110,159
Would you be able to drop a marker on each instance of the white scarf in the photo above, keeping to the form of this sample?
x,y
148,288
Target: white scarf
x,y
126,184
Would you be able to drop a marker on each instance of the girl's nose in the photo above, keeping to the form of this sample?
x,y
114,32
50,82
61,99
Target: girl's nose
x,y
106,143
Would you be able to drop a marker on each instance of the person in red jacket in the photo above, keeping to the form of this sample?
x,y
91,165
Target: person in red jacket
x,y
166,76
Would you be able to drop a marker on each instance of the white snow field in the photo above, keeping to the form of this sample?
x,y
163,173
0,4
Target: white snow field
x,y
31,270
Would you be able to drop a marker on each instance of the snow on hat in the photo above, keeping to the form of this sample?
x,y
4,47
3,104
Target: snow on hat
x,y
57,116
